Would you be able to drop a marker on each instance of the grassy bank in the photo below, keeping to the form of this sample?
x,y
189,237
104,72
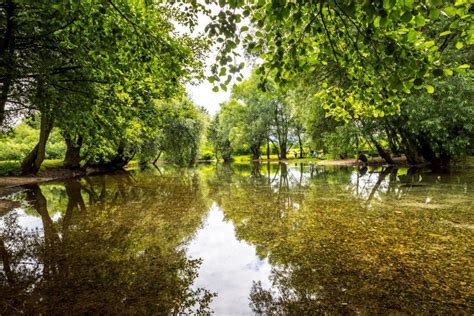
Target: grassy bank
x,y
248,158
13,167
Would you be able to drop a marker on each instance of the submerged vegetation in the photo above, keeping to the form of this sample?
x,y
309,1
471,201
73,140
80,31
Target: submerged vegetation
x,y
322,239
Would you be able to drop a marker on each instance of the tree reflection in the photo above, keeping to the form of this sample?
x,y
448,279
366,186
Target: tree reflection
x,y
118,248
340,240
336,248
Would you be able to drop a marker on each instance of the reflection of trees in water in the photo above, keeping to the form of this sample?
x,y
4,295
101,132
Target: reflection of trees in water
x,y
270,190
332,254
118,248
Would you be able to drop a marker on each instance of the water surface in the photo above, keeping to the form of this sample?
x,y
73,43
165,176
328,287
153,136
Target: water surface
x,y
242,239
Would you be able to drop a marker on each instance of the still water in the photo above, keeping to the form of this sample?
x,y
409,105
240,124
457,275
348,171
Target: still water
x,y
265,239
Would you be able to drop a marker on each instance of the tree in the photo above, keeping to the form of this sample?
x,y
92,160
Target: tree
x,y
179,131
219,139
377,50
438,126
74,62
258,113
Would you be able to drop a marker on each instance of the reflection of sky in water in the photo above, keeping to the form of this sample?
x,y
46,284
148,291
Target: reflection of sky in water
x,y
229,266
29,222
362,185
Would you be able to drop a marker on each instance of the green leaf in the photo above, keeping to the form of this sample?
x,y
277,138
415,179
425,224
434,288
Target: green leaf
x,y
215,89
427,44
448,72
434,13
377,21
388,4
406,17
451,11
459,45
408,4
411,36
429,89
420,20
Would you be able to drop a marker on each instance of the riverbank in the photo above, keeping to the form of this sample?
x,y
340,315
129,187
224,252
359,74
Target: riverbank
x,y
49,175
375,161
52,170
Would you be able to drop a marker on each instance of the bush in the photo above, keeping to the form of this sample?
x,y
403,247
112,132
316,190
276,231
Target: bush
x,y
206,155
10,168
19,142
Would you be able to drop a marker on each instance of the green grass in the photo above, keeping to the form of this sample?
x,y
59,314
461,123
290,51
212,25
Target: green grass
x,y
467,161
51,164
13,167
248,158
10,168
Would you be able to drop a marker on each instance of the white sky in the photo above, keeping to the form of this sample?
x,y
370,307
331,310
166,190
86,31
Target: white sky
x,y
202,93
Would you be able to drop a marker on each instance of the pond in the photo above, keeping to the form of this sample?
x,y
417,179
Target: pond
x,y
242,239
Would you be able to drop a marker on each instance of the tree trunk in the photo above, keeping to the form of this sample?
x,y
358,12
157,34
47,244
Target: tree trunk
x,y
37,200
158,157
32,163
268,149
72,159
301,145
277,148
385,155
255,149
391,137
410,148
283,150
7,52
5,256
428,153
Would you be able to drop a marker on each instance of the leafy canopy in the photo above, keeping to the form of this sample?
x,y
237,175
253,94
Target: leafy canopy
x,y
368,55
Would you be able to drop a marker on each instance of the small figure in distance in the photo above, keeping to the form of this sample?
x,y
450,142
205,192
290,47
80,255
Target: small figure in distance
x,y
363,158
295,153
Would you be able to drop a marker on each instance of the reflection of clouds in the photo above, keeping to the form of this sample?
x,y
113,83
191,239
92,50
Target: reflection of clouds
x,y
257,264
294,177
28,222
229,266
18,231
56,216
362,186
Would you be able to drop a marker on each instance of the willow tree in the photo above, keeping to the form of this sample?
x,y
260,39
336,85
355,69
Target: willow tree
x,y
179,130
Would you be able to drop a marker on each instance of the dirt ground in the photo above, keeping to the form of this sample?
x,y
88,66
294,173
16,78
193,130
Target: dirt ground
x,y
352,162
48,175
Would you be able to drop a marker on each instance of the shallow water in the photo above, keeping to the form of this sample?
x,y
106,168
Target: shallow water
x,y
242,239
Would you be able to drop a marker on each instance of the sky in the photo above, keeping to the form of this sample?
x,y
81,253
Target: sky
x,y
202,93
